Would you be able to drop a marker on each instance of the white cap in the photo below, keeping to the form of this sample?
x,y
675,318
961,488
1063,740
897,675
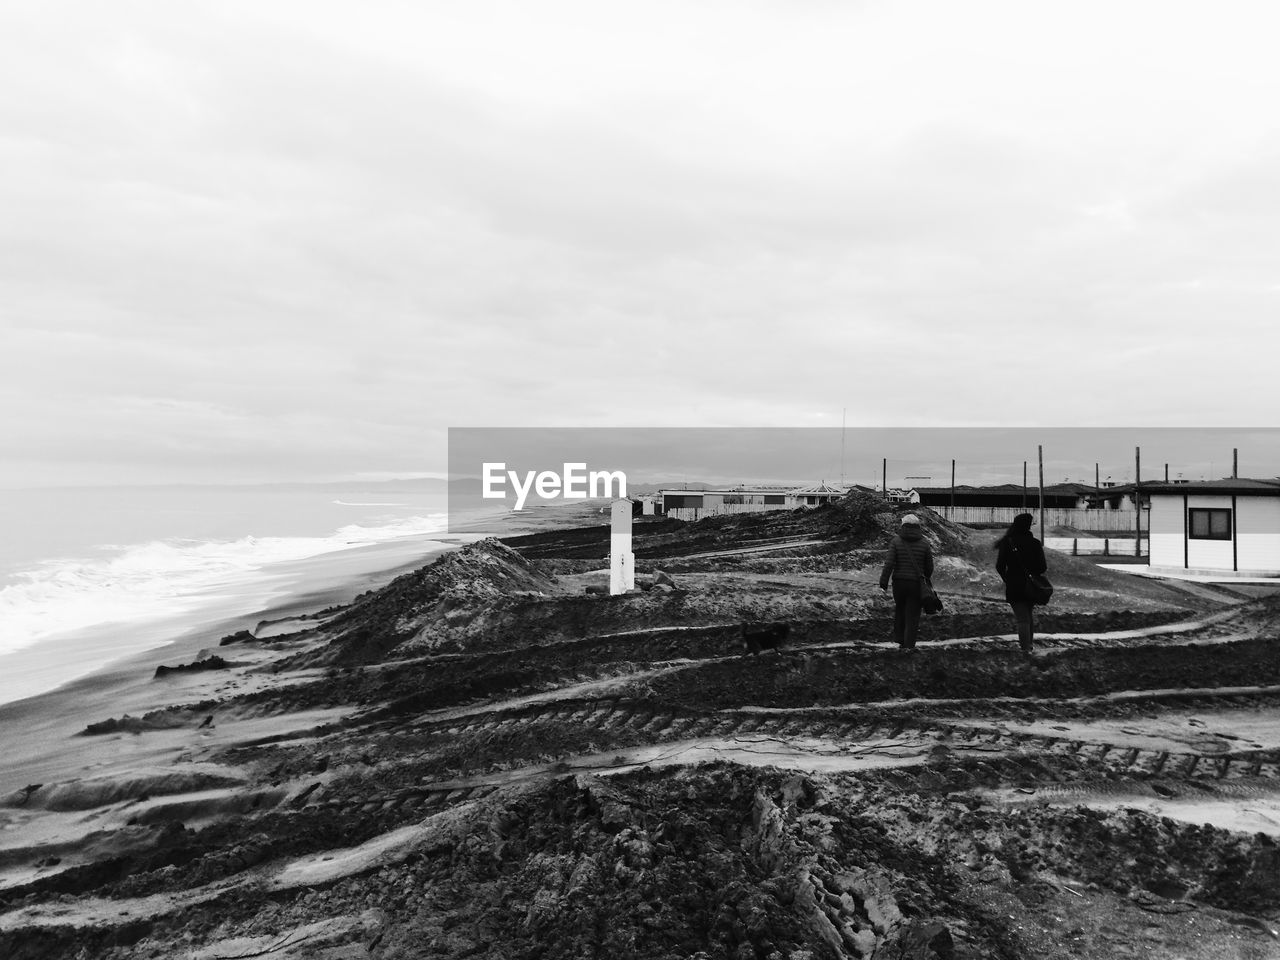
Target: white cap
x,y
910,518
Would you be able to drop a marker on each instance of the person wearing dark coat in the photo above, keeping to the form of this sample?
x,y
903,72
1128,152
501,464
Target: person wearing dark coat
x,y
1018,554
908,560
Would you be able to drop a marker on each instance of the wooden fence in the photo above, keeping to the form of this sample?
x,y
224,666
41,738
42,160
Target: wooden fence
x,y
1099,546
1093,521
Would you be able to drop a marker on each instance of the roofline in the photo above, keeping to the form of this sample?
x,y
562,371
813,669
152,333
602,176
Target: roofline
x,y
1214,492
1238,486
811,491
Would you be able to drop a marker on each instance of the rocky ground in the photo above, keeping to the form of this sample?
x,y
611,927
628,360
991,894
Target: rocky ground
x,y
484,760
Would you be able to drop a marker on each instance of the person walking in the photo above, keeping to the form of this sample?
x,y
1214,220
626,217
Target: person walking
x,y
1018,554
909,560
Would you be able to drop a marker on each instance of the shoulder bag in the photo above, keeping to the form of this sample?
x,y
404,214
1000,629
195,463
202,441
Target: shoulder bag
x,y
1036,586
930,602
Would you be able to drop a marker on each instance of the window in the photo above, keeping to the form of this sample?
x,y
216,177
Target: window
x,y
673,501
774,499
1206,524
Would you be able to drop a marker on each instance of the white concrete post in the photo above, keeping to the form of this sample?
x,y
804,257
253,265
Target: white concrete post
x,y
622,562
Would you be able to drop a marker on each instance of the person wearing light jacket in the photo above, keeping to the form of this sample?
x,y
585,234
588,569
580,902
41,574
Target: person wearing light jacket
x,y
909,559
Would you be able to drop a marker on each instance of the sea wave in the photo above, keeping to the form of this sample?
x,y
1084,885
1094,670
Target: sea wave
x,y
348,503
162,578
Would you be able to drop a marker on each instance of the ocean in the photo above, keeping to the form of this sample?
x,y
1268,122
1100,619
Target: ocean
x,y
90,575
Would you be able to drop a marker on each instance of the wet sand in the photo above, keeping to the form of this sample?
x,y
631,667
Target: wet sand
x,y
39,733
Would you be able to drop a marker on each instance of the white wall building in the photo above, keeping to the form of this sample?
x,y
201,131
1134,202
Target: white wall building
x,y
1216,526
736,500
695,504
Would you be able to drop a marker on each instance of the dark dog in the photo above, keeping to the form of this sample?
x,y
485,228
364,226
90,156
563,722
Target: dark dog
x,y
764,636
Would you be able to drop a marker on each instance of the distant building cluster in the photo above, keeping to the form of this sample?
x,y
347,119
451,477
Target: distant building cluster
x,y
743,499
1214,526
747,498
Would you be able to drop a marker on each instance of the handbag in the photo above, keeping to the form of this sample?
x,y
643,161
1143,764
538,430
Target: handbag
x,y
1036,586
930,602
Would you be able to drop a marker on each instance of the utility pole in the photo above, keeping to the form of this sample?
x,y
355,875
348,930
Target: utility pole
x,y
1235,462
1024,485
843,411
1137,498
884,478
952,508
1040,454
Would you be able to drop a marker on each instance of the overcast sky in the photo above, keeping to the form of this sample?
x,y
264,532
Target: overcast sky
x,y
900,457
287,240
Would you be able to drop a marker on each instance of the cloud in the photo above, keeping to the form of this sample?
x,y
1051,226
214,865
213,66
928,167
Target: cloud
x,y
237,237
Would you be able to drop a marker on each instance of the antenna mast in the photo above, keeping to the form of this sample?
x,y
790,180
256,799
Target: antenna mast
x,y
843,410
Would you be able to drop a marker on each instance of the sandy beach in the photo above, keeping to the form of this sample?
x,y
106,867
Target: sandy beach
x,y
40,733
483,757
117,662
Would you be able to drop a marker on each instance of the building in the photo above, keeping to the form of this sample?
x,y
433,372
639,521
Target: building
x,y
1062,496
694,504
1116,496
740,499
900,495
814,496
1066,504
1123,496
1215,526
